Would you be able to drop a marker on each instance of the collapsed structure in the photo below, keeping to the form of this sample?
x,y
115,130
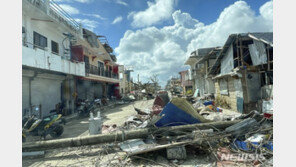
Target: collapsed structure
x,y
240,74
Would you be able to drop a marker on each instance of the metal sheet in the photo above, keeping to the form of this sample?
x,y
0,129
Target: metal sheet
x,y
258,53
227,61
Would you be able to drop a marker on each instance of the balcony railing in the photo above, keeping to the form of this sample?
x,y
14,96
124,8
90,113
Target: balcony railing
x,y
38,57
56,12
91,69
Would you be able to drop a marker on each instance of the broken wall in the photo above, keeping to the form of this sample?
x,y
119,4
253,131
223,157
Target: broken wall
x,y
209,86
230,98
253,86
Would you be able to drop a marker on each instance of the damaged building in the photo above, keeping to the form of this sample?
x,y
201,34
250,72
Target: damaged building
x,y
186,81
126,83
102,79
243,71
200,62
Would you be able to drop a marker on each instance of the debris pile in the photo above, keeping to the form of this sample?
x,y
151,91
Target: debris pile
x,y
248,142
176,129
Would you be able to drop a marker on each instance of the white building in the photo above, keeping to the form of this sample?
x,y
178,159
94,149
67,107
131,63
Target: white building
x,y
200,61
48,72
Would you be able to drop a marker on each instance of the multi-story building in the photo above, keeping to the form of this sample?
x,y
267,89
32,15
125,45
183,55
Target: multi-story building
x,y
126,84
186,81
102,79
200,63
61,61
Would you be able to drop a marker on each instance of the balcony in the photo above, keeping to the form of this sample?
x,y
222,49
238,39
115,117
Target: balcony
x,y
41,58
101,74
55,12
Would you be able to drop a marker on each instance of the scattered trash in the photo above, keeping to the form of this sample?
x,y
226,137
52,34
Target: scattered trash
x,y
242,127
109,128
247,134
177,153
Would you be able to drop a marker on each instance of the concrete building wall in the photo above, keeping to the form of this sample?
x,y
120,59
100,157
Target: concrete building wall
x,y
44,58
25,93
200,83
231,97
209,86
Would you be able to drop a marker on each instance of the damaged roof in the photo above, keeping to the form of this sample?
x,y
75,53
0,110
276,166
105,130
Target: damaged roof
x,y
91,38
213,54
196,55
266,37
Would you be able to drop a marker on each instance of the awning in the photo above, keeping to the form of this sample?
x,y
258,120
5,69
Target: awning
x,y
99,79
191,60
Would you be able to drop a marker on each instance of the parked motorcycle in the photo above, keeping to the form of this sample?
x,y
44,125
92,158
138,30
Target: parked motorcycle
x,y
42,127
85,108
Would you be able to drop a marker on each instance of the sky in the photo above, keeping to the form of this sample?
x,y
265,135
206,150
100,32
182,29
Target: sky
x,y
157,36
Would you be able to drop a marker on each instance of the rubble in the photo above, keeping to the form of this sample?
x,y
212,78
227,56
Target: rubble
x,y
180,127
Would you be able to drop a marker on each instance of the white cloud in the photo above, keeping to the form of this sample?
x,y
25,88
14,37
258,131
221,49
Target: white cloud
x,y
164,50
121,2
89,24
96,16
156,12
117,20
69,9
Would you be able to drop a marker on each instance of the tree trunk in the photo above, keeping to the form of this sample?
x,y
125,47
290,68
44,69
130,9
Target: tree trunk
x,y
119,136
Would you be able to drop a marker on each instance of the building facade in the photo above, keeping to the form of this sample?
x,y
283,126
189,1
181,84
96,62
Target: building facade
x,y
243,71
186,81
61,61
200,62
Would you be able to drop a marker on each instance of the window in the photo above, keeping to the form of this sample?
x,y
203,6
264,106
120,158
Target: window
x,y
54,47
101,68
40,40
223,87
24,36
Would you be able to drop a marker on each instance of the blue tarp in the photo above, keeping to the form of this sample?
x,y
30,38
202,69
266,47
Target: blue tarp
x,y
173,116
245,146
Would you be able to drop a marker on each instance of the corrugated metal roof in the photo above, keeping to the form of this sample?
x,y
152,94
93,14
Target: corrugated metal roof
x,y
213,54
204,51
266,37
197,55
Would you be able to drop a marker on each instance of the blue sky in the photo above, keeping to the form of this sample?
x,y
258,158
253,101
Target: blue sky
x,y
157,36
205,11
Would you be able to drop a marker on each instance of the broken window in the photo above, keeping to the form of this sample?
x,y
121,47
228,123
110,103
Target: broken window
x,y
223,83
54,47
267,78
39,40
